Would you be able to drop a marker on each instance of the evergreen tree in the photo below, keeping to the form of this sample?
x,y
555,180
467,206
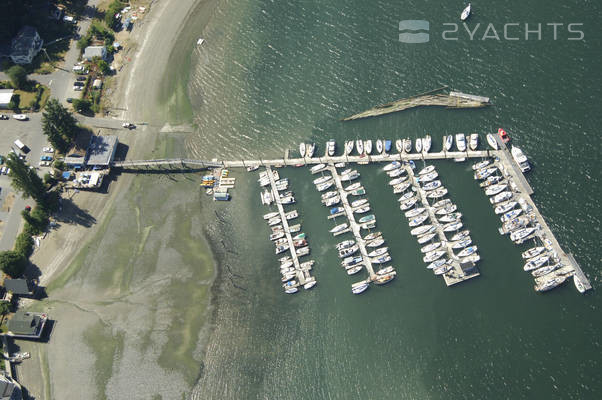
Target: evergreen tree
x,y
12,263
25,179
59,125
18,76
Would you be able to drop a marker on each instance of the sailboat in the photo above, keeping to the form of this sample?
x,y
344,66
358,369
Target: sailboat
x,y
399,145
379,146
368,146
465,13
302,149
359,145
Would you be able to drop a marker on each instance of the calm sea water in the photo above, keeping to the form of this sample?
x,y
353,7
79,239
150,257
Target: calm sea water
x,y
273,73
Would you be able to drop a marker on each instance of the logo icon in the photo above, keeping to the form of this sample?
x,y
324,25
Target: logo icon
x,y
413,28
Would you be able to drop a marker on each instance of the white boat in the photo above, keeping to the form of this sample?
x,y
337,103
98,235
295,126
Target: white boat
x,y
294,228
421,230
495,189
430,247
379,146
578,284
545,270
378,252
350,177
533,252
406,196
345,244
460,244
391,166
401,187
511,215
351,261
358,203
426,170
339,228
498,198
354,270
451,217
329,194
310,284
448,209
520,159
550,284
437,263
252,168
460,142
408,204
381,260
291,290
427,177
437,193
311,148
281,249
460,235
266,197
536,262
317,168
467,251
481,164
348,147
359,289
414,212
368,146
287,200
505,207
347,171
276,235
362,210
359,146
442,203
431,185
521,234
418,145
399,145
426,143
348,251
322,179
465,13
492,141
418,220
331,201
396,172
302,149
491,180
331,147
323,186
372,236
382,279
375,242
271,215
407,145
430,257
452,226
425,238
484,173
353,186
397,181
448,142
385,270
474,141
442,269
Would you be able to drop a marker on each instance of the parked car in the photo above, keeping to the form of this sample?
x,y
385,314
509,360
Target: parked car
x,y
44,163
21,117
45,158
3,116
128,125
3,170
69,99
81,78
70,19
48,150
78,88
78,83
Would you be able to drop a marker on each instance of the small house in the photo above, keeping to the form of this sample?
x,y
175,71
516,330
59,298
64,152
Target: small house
x,y
95,51
21,287
97,84
5,96
26,325
26,45
9,388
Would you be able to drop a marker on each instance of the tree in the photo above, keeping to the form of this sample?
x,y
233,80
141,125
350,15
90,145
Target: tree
x,y
12,263
24,244
25,179
4,307
103,66
38,219
17,76
81,106
59,125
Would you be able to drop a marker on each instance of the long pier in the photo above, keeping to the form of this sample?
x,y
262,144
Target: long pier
x,y
355,228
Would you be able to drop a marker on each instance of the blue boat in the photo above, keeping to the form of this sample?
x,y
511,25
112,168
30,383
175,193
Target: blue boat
x,y
335,210
387,146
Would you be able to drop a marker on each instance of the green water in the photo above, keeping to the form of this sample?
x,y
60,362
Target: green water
x,y
272,74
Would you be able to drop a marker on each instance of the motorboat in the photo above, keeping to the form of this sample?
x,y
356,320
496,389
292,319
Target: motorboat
x,y
437,263
550,284
505,207
378,252
291,290
397,181
302,251
465,13
503,135
441,203
382,279
271,215
520,158
545,270
274,221
358,192
317,168
533,252
408,204
448,142
426,238
330,193
368,146
437,193
287,200
431,185
431,229
302,149
372,236
375,242
323,186
536,262
452,226
339,228
287,264
285,194
348,147
485,173
426,170
294,228
426,143
467,251
277,228
252,168
491,180
460,142
300,243
407,145
331,201
385,270
495,189
367,218
322,179
448,209
515,225
368,225
432,256
353,186
418,220
347,171
481,164
406,196
348,251
401,187
276,235
354,270
414,212
291,214
391,166
418,145
503,196
358,203
359,146
452,217
578,284
379,146
443,269
399,145
350,177
281,248
461,235
474,141
511,214
387,144
421,230
362,210
310,149
396,172
427,177
359,289
430,247
492,141
345,244
310,284
521,234
460,244
299,236
331,147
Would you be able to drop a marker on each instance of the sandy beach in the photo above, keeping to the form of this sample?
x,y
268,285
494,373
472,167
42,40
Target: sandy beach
x,y
128,271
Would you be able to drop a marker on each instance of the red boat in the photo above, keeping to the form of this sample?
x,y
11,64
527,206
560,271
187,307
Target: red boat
x,y
503,135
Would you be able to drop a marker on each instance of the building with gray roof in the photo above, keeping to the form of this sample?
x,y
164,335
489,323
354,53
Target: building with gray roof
x,y
101,151
26,45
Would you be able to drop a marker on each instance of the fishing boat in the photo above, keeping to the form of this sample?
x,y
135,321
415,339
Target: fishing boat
x,y
431,185
503,135
323,186
406,205
358,192
339,228
495,189
348,147
399,145
353,186
414,212
379,146
359,146
331,147
545,270
481,164
511,214
437,193
322,179
310,284
362,210
448,142
375,242
430,247
387,144
465,13
396,172
460,142
317,168
451,217
505,207
378,252
302,149
359,289
460,235
407,145
418,220
372,236
354,270
330,193
421,230
391,166
402,187
270,215
367,218
311,148
426,170
520,158
432,256
382,279
498,198
460,244
578,284
550,284
437,263
348,251
345,244
358,203
491,180
533,252
418,145
536,262
492,141
426,143
467,251
452,226
426,238
368,146
474,141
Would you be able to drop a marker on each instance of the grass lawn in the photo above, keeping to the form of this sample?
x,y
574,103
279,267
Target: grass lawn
x,y
27,97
